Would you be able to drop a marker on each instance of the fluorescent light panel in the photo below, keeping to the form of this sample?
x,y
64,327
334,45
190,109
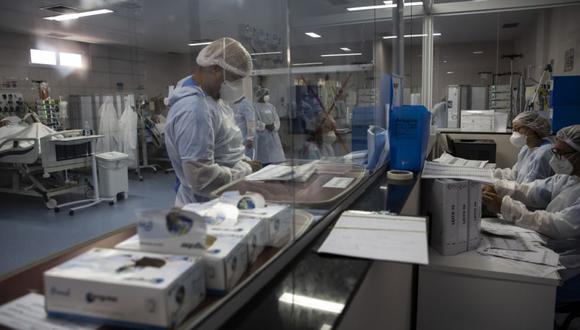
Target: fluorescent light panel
x,y
437,34
478,52
385,5
450,72
306,64
341,54
67,17
38,56
70,60
265,53
312,303
313,35
199,43
407,4
345,49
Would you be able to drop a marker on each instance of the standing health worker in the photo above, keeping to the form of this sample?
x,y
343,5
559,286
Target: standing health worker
x,y
246,121
203,141
269,145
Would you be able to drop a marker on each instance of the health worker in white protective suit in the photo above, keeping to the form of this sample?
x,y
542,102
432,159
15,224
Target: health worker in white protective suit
x,y
556,201
268,123
246,120
530,131
203,141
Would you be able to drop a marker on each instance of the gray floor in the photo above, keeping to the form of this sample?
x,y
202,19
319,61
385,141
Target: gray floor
x,y
29,231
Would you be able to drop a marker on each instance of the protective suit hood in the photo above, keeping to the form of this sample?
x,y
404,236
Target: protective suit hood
x,y
184,88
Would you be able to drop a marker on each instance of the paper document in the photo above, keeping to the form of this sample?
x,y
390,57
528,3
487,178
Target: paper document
x,y
28,312
456,161
434,170
379,237
504,243
274,172
338,182
500,227
541,256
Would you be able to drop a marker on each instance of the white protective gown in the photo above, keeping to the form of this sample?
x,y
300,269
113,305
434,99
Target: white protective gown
x,y
128,131
558,197
533,164
246,120
108,126
203,142
269,146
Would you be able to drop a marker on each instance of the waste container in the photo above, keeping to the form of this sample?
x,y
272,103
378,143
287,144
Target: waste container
x,y
113,174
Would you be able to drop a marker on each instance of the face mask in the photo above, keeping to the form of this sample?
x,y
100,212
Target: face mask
x,y
518,140
329,137
231,91
561,166
266,98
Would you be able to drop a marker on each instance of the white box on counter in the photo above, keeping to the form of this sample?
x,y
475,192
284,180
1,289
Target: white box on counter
x,y
225,260
172,231
254,234
126,288
279,220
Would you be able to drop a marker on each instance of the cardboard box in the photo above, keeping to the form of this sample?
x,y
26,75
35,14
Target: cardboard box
x,y
441,205
254,234
127,288
474,222
462,187
279,219
225,260
172,231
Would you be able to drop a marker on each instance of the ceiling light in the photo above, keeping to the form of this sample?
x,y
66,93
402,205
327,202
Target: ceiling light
x,y
450,72
346,49
313,35
341,54
266,53
437,34
71,59
67,17
444,61
313,303
371,7
200,43
478,52
38,56
309,63
407,4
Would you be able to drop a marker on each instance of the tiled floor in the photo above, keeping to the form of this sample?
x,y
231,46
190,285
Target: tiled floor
x,y
29,231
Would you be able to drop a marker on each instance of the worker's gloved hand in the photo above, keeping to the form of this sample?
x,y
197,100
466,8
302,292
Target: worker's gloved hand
x,y
249,144
255,164
270,127
492,202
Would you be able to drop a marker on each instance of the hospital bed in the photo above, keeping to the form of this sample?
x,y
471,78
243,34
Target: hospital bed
x,y
36,160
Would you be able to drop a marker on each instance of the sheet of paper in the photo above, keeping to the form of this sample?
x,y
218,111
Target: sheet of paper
x,y
27,313
500,227
379,237
541,256
504,243
299,173
434,170
338,182
456,161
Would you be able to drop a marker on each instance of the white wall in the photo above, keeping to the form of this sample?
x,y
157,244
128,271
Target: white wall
x,y
105,66
563,33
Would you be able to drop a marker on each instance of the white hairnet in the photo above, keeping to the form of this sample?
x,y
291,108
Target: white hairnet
x,y
261,92
570,135
227,53
535,122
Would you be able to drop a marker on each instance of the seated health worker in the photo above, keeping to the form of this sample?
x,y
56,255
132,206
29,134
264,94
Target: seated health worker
x,y
557,203
203,141
529,133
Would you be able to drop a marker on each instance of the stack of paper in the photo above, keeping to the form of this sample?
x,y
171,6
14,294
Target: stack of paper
x,y
434,170
275,172
512,242
378,236
448,159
